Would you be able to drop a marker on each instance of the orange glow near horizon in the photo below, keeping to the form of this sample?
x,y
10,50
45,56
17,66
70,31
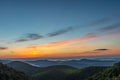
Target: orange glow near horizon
x,y
74,51
79,47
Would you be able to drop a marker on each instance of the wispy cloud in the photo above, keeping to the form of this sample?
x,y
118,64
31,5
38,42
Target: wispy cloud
x,y
3,48
72,28
71,42
62,31
29,37
21,40
67,43
100,21
76,40
34,36
110,28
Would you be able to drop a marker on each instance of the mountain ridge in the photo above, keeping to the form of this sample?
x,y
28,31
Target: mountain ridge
x,y
7,73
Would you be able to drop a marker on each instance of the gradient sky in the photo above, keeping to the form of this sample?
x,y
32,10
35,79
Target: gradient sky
x,y
59,28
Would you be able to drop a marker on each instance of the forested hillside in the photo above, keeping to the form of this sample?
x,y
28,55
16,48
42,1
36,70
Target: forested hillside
x,y
66,73
63,72
111,73
7,73
89,73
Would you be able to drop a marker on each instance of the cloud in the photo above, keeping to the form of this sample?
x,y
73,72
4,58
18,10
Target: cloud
x,y
87,37
33,36
110,28
65,43
96,51
72,28
21,40
70,41
29,37
3,48
103,49
62,31
100,21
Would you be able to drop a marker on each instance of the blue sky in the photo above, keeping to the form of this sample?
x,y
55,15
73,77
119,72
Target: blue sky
x,y
20,18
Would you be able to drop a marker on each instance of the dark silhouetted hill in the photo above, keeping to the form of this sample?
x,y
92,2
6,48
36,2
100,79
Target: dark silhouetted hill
x,y
111,73
7,73
24,67
66,73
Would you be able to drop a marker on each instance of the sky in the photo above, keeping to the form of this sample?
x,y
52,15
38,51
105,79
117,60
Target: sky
x,y
48,29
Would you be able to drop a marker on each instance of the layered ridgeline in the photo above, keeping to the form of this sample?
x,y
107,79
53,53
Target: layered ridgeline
x,y
24,67
7,73
56,72
66,73
59,72
80,63
70,73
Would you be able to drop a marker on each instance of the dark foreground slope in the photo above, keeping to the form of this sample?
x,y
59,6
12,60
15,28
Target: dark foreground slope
x,y
111,73
24,67
89,73
66,73
60,72
7,73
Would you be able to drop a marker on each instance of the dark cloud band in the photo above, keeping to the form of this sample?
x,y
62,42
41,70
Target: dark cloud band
x,y
3,48
29,37
62,31
111,27
104,49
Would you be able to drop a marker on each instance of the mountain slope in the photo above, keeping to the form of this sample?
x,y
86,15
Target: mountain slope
x,y
89,73
24,67
7,73
111,73
66,73
83,74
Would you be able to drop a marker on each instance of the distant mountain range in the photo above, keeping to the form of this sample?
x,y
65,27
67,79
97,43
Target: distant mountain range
x,y
61,72
56,72
31,67
69,73
75,63
5,61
